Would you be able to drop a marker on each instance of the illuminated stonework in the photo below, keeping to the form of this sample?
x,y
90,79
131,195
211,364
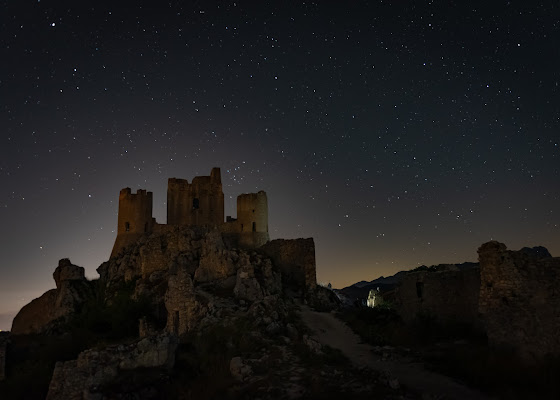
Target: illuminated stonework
x,y
200,203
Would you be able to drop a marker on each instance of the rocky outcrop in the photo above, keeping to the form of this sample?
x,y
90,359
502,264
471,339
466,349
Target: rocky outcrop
x,y
93,373
519,299
166,246
216,261
239,370
56,305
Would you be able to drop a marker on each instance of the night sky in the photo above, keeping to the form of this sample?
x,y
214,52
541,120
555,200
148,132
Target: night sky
x,y
395,133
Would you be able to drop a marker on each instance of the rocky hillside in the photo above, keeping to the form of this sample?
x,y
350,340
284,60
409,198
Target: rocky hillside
x,y
182,314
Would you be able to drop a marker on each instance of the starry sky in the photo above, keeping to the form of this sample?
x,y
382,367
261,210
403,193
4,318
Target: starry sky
x,y
396,133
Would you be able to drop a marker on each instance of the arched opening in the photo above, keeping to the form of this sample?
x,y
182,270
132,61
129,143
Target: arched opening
x,y
254,226
127,226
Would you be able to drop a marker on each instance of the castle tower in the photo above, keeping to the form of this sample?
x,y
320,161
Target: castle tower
x,y
199,203
252,218
135,217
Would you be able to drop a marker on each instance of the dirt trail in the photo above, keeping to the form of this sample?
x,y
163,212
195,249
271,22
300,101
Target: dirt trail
x,y
331,331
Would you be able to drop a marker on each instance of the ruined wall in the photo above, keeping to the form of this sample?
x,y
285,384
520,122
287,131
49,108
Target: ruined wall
x,y
450,296
520,299
135,218
199,203
296,260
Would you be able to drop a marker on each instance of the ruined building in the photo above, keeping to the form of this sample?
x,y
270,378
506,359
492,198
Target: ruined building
x,y
511,296
200,203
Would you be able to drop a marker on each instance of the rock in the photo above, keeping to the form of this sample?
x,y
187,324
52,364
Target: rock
x,y
537,252
240,370
247,287
312,344
394,383
66,271
83,378
215,262
292,331
56,305
273,328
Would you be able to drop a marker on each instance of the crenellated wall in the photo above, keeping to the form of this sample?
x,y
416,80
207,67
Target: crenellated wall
x,y
134,219
200,204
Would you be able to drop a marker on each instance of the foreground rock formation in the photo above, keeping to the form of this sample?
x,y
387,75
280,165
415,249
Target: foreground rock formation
x,y
190,281
56,305
87,376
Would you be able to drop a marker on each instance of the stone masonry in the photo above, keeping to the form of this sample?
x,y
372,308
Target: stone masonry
x,y
296,260
450,295
520,298
196,204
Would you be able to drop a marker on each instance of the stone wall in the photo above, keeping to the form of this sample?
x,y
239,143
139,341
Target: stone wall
x,y
198,203
450,296
520,299
296,260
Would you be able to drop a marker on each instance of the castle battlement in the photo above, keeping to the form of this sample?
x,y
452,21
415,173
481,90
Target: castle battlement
x,y
199,203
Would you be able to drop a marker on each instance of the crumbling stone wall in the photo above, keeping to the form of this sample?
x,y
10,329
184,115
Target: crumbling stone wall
x,y
296,260
520,298
450,296
199,203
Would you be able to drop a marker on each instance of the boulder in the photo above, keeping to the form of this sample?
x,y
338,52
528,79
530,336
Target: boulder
x,y
85,377
239,370
56,305
66,271
246,286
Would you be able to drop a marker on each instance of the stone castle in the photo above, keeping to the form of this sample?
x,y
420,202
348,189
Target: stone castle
x,y
200,203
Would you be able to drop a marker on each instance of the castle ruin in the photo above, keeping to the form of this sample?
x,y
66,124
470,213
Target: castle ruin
x,y
200,203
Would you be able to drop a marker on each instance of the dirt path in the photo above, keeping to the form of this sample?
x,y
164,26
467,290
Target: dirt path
x,y
331,331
